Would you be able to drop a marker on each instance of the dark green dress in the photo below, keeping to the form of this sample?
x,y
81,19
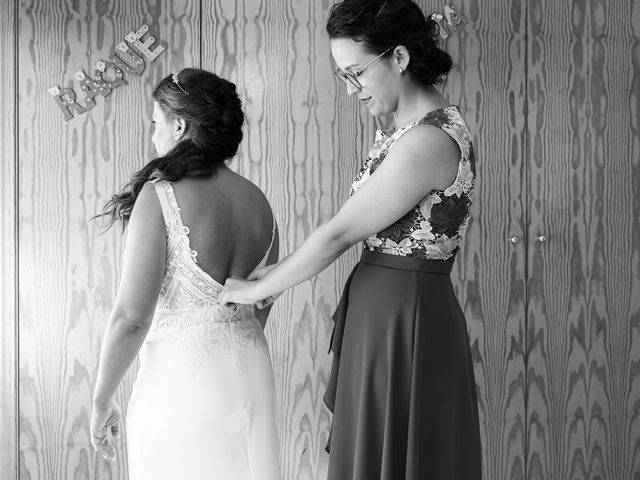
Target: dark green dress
x,y
402,387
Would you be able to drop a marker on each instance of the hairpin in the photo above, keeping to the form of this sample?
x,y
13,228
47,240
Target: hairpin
x,y
448,23
174,77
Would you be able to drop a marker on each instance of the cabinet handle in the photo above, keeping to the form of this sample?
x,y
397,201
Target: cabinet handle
x,y
541,239
514,239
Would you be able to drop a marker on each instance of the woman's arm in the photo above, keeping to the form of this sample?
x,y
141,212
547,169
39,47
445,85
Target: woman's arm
x,y
142,273
408,173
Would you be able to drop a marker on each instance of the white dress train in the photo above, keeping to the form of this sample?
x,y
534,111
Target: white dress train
x,y
202,406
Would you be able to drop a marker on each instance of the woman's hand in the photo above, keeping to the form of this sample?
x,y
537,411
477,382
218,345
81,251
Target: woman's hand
x,y
105,429
238,290
257,275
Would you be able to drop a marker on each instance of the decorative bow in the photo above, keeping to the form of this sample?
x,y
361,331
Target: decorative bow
x,y
448,23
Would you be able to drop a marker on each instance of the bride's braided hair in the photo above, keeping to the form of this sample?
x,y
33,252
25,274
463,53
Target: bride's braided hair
x,y
213,115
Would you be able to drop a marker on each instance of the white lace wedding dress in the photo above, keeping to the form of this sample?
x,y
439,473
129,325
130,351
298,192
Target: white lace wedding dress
x,y
202,406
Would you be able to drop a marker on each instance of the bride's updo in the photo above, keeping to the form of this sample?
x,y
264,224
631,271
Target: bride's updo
x,y
213,115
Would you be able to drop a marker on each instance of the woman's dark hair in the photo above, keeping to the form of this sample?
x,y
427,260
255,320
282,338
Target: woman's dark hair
x,y
384,24
213,115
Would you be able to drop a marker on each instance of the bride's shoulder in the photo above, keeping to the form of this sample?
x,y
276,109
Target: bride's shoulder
x,y
246,187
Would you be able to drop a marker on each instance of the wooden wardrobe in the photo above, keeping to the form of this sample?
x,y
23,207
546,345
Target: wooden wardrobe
x,y
549,276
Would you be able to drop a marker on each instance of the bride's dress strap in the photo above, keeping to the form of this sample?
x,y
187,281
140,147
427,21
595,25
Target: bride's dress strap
x,y
177,232
168,209
263,262
173,219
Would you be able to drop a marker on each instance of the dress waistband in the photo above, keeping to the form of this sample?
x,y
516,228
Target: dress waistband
x,y
407,263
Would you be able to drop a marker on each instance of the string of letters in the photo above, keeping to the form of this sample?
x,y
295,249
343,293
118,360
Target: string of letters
x,y
108,74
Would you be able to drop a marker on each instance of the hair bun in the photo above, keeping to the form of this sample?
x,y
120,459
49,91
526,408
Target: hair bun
x,y
381,24
432,28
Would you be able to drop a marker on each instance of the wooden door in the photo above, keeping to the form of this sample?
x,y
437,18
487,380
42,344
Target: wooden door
x,y
8,243
68,272
304,141
583,335
488,83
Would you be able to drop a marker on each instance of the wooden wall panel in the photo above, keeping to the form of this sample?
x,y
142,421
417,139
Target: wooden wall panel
x,y
68,272
584,281
488,84
304,141
8,244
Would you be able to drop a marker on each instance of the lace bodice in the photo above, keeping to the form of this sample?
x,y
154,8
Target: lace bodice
x,y
189,296
435,227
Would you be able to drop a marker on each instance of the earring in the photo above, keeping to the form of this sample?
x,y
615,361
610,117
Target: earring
x,y
401,70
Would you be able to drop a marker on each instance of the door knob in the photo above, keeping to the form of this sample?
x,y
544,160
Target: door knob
x,y
514,239
541,239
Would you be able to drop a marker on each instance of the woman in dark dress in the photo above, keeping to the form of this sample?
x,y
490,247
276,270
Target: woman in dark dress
x,y
402,387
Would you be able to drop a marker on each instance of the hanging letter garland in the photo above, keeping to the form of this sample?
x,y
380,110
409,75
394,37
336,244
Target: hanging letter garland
x,y
124,60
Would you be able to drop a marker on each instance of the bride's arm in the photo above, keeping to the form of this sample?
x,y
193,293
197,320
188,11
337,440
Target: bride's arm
x,y
142,273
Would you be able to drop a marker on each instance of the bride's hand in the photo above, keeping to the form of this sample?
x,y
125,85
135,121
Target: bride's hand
x,y
238,290
105,429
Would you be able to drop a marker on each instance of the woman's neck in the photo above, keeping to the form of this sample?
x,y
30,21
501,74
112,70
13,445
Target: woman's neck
x,y
416,101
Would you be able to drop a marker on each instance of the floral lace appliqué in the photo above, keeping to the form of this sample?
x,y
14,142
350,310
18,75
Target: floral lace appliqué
x,y
435,228
187,306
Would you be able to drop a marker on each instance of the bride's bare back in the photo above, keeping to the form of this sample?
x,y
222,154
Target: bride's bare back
x,y
230,223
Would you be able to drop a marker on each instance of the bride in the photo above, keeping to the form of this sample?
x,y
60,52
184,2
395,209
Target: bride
x,y
202,406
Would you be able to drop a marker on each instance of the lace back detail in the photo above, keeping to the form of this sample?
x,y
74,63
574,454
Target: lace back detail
x,y
177,232
188,297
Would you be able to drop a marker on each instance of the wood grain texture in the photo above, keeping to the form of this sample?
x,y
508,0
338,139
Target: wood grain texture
x,y
304,141
8,244
68,272
488,84
573,160
584,281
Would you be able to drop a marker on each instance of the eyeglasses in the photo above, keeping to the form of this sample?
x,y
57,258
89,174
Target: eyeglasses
x,y
352,78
